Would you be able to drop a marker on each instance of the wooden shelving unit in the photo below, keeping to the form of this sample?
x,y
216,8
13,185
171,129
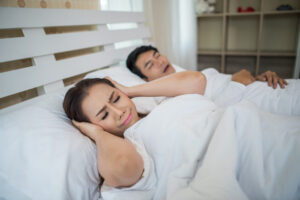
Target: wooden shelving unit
x,y
265,39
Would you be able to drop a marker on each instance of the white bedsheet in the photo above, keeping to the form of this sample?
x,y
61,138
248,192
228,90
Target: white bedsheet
x,y
225,92
201,151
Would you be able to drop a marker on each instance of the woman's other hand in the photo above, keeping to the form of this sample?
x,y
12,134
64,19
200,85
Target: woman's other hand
x,y
88,129
272,78
244,77
121,87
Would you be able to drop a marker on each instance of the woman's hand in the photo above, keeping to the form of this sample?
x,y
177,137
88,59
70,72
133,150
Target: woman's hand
x,y
88,129
121,87
272,78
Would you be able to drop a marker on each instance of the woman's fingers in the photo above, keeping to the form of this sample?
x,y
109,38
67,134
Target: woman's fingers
x,y
88,129
121,87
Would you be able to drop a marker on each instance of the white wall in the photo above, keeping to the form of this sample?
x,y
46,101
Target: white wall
x,y
173,27
172,24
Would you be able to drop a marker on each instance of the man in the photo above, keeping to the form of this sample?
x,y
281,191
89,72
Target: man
x,y
224,89
149,64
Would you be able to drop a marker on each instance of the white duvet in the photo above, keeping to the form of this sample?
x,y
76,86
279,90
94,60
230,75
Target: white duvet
x,y
225,92
200,151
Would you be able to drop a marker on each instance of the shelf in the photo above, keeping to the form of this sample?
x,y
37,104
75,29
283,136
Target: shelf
x,y
209,52
243,14
241,53
210,15
247,53
275,12
278,54
259,40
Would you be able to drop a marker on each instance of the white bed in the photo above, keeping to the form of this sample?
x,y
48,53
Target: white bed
x,y
42,156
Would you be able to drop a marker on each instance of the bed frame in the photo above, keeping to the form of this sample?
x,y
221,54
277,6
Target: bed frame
x,y
47,73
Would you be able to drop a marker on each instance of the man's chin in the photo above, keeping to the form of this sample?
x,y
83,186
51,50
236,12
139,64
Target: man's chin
x,y
169,69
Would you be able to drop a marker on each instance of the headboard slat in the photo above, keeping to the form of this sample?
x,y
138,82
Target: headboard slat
x,y
51,72
63,44
26,47
38,17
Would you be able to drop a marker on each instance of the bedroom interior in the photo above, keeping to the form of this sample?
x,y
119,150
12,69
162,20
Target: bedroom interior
x,y
46,46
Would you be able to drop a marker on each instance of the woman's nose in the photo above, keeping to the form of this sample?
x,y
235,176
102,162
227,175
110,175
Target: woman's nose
x,y
116,110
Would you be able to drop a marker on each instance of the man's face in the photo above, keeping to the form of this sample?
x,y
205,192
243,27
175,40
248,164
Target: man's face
x,y
153,65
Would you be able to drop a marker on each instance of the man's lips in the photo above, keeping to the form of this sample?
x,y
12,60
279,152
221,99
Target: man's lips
x,y
127,120
167,67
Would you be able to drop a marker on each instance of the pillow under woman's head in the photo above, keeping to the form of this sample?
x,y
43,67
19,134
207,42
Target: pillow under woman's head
x,y
43,156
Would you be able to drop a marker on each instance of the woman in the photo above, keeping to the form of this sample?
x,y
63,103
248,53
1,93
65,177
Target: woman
x,y
103,113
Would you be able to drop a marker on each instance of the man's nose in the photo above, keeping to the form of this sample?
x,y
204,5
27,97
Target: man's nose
x,y
116,110
159,62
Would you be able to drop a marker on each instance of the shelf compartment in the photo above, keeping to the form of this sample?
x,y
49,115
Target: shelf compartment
x,y
282,29
236,63
271,5
283,66
242,34
234,4
219,10
209,33
209,61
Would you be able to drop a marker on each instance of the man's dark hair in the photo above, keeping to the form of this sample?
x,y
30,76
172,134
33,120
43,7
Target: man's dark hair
x,y
133,56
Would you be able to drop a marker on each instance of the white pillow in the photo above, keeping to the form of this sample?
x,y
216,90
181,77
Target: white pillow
x,y
42,156
122,75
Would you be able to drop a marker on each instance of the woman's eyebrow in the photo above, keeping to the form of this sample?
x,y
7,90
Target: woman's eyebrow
x,y
110,99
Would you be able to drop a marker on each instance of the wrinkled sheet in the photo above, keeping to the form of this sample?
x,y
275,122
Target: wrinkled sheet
x,y
201,151
225,92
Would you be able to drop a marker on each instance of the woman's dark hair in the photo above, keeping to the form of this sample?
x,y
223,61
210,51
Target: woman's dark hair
x,y
133,56
75,95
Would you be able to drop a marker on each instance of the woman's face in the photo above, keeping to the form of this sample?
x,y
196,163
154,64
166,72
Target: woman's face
x,y
109,108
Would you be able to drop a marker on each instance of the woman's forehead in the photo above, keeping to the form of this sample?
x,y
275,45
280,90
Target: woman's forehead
x,y
98,96
100,90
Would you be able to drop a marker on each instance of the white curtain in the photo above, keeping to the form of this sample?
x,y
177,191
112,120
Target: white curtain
x,y
173,27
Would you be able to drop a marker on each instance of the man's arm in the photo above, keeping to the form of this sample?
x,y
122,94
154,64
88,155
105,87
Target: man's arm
x,y
187,82
244,77
272,78
118,161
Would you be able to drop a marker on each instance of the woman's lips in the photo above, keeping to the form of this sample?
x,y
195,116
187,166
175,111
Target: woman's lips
x,y
127,120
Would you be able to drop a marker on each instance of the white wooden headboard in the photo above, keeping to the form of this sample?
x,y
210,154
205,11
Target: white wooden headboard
x,y
47,73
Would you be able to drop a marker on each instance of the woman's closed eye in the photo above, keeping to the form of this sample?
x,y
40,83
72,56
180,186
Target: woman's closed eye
x,y
117,99
105,115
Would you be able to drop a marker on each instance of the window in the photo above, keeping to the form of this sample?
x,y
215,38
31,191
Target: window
x,y
123,5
